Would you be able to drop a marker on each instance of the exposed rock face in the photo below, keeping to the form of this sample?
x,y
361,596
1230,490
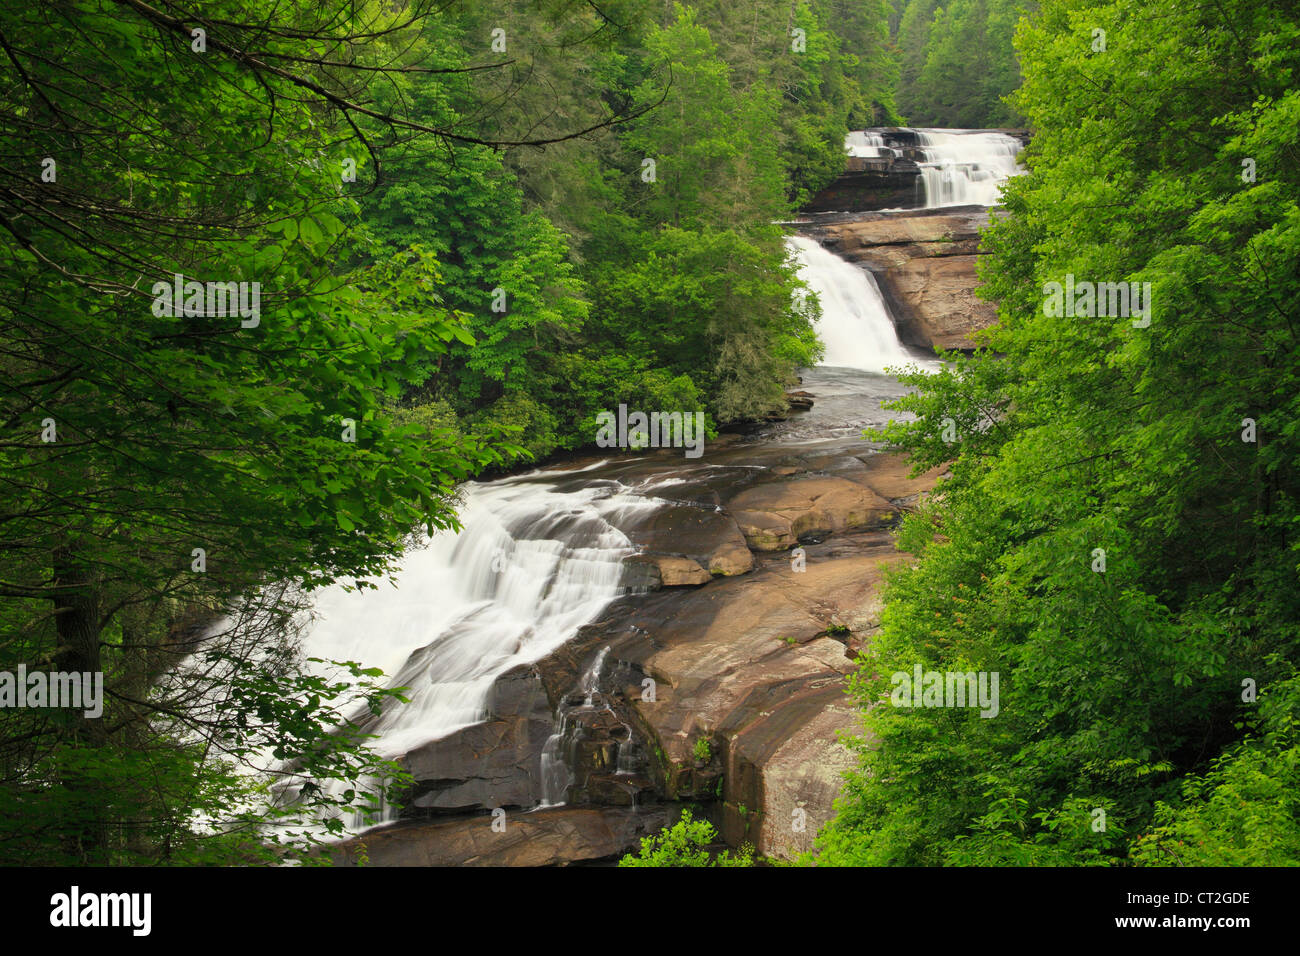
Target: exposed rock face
x,y
747,666
777,515
678,571
748,672
492,764
924,263
725,687
871,187
560,836
697,532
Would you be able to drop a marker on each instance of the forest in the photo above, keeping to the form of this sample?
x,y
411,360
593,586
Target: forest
x,y
459,233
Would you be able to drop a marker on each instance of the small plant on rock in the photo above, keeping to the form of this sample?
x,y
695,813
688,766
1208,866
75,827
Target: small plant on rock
x,y
686,844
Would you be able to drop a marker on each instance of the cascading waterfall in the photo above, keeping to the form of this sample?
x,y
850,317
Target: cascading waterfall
x,y
558,754
534,562
964,167
556,775
855,324
531,566
868,144
590,682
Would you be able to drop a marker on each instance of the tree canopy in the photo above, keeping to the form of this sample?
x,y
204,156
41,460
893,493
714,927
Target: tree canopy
x,y
1118,536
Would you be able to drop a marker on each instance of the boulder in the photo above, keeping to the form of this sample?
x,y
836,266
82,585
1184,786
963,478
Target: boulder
x,y
777,515
700,533
678,571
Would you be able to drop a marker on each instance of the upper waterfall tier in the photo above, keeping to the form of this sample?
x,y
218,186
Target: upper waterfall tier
x,y
898,167
965,167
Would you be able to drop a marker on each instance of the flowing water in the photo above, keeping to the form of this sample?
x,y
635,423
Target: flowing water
x,y
855,324
965,167
541,554
532,565
869,144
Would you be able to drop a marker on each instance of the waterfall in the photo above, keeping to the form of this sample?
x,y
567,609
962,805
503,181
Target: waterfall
x,y
869,144
964,167
855,324
556,774
532,565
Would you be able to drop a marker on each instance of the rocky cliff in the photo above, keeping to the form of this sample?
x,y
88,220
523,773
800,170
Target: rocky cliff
x,y
925,264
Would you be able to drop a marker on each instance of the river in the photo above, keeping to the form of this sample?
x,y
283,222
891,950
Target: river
x,y
544,554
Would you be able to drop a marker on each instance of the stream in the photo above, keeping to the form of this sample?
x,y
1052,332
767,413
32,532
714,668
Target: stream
x,y
544,553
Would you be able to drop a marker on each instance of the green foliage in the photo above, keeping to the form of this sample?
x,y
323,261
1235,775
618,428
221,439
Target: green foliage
x,y
672,294
958,63
268,447
702,750
1244,810
1120,690
686,843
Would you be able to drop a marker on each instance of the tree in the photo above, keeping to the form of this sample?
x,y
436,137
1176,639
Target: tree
x,y
1116,539
957,62
165,455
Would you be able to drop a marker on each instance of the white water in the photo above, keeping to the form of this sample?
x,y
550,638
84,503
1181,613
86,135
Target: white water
x,y
869,144
556,775
532,565
855,324
965,167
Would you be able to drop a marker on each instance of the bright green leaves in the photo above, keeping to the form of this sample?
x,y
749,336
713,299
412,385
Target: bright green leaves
x,y
1122,681
686,843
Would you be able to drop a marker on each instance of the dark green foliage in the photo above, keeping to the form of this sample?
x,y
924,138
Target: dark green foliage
x,y
1127,689
957,62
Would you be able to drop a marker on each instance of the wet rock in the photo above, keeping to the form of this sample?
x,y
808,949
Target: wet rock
x,y
641,573
747,664
491,764
700,533
777,515
553,837
678,571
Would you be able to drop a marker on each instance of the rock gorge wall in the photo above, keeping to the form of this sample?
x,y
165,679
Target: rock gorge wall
x,y
924,262
747,655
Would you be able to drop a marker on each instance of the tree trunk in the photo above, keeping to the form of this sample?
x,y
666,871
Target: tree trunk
x,y
76,604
